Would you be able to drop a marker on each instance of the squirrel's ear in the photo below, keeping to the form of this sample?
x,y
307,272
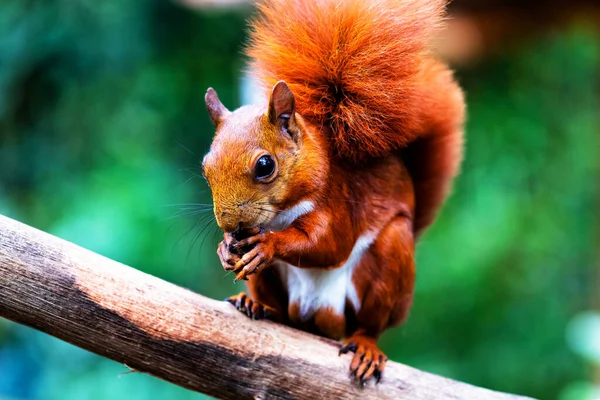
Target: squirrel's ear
x,y
216,109
282,103
281,108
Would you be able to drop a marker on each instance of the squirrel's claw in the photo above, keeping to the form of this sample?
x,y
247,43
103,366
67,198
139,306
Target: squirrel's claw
x,y
250,268
347,348
368,361
258,257
253,309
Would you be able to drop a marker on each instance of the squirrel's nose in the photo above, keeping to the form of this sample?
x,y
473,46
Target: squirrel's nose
x,y
234,218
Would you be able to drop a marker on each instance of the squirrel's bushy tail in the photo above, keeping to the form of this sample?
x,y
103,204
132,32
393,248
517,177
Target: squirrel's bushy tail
x,y
360,67
353,64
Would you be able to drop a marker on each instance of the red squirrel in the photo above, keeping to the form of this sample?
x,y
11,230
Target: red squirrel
x,y
322,190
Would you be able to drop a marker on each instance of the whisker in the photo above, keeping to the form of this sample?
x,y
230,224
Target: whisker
x,y
195,208
276,212
194,225
186,205
189,179
211,229
186,149
218,233
187,213
191,169
227,273
197,236
267,203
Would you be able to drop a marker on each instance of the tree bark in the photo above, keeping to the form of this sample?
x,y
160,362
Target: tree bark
x,y
201,344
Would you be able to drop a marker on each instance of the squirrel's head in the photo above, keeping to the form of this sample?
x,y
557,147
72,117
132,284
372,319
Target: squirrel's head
x,y
263,161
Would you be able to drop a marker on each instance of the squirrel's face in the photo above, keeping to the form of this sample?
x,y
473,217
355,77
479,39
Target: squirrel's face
x,y
254,162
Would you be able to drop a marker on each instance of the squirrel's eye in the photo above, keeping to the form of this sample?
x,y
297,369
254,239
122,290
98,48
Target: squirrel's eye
x,y
265,166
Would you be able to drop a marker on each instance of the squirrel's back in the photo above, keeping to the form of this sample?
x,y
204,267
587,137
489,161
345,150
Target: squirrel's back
x,y
363,69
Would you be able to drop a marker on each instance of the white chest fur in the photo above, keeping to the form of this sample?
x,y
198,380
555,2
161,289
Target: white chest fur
x,y
286,217
312,288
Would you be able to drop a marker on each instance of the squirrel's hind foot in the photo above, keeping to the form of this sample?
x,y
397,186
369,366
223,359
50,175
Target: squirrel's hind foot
x,y
252,308
368,362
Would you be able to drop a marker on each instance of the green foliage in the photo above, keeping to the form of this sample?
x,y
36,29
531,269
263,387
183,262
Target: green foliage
x,y
102,127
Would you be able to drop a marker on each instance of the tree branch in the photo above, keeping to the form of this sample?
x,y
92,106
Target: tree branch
x,y
161,329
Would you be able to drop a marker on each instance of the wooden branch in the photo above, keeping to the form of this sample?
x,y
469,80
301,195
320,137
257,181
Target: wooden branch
x,y
161,329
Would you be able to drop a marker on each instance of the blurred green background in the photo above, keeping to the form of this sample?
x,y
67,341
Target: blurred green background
x,y
103,125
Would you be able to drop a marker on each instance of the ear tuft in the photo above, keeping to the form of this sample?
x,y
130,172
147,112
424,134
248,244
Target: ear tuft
x,y
217,111
282,103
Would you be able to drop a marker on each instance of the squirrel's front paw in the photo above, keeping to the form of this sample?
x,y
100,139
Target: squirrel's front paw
x,y
226,256
258,257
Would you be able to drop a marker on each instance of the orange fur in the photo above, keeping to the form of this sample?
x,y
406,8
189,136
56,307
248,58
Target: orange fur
x,y
369,136
363,70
